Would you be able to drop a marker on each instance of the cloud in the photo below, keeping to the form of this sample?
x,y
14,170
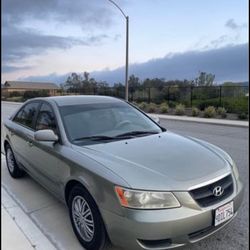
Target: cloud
x,y
229,63
85,13
18,42
231,24
8,69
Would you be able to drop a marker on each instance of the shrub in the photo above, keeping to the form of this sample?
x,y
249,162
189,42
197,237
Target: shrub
x,y
15,93
203,104
236,105
15,99
164,108
32,94
142,105
231,104
171,104
195,111
242,116
180,109
209,112
222,112
151,108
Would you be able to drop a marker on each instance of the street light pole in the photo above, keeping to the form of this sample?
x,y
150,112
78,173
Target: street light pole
x,y
126,72
127,40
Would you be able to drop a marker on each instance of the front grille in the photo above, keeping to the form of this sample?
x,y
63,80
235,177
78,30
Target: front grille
x,y
204,195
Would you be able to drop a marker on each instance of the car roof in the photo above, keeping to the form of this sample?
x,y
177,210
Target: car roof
x,y
80,99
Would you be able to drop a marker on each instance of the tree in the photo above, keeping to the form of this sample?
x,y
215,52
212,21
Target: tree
x,y
204,79
133,83
73,82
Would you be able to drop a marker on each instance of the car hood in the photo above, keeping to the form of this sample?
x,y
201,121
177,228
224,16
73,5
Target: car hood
x,y
165,161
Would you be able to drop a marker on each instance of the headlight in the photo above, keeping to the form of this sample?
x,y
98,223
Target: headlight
x,y
146,199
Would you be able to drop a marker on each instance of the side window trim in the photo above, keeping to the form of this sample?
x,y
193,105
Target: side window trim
x,y
32,128
36,115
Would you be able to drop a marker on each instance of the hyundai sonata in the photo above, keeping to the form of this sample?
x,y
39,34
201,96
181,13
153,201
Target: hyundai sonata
x,y
125,179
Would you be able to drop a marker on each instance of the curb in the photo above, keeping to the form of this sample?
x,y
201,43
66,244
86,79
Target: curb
x,y
21,226
232,123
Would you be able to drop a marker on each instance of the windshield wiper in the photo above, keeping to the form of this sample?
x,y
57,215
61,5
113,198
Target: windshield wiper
x,y
96,138
134,133
117,137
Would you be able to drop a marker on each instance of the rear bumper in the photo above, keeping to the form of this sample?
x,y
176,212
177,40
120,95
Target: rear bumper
x,y
165,229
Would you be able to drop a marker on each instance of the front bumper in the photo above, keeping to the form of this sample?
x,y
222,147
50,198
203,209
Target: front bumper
x,y
169,228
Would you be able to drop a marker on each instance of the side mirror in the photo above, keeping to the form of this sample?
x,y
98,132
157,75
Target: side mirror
x,y
46,135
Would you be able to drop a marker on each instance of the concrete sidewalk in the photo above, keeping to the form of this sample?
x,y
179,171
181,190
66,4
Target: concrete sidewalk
x,y
18,231
203,120
12,236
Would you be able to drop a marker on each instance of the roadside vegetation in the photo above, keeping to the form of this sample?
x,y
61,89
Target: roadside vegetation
x,y
200,97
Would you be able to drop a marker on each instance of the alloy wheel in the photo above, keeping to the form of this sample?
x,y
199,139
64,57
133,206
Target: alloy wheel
x,y
83,218
10,161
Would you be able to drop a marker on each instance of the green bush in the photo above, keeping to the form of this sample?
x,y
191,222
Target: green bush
x,y
142,105
32,94
180,109
203,104
222,112
164,108
231,104
242,116
15,94
195,111
172,104
209,112
151,108
15,99
236,105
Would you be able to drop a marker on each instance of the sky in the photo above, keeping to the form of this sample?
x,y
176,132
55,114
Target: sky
x,y
172,39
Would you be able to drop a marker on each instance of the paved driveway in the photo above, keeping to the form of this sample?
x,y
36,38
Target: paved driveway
x,y
52,217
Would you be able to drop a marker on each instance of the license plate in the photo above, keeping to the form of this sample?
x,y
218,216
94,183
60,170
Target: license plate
x,y
224,213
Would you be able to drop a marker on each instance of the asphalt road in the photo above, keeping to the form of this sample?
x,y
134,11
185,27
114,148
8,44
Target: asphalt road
x,y
52,217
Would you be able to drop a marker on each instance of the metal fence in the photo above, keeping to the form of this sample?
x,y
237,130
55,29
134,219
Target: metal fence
x,y
234,98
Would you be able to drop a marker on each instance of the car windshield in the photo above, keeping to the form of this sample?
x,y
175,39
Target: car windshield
x,y
105,122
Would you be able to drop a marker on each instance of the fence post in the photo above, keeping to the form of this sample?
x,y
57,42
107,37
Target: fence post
x,y
168,95
149,97
191,96
220,96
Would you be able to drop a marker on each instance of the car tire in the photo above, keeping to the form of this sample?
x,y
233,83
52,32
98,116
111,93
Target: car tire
x,y
12,165
86,219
